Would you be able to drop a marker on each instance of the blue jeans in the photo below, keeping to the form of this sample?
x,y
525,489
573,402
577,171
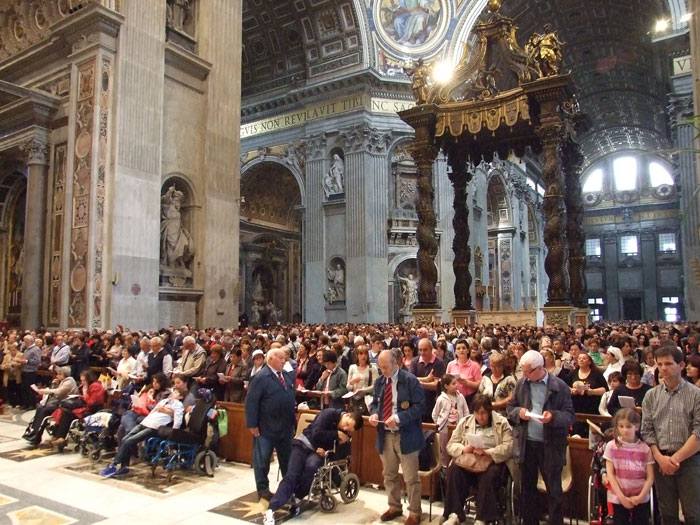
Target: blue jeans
x,y
129,420
262,452
138,433
302,467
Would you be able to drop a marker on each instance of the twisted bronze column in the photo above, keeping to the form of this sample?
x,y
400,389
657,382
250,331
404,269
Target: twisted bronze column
x,y
424,154
556,261
573,160
460,177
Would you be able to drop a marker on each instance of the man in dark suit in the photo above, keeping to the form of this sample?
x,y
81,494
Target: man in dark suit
x,y
540,442
398,403
270,417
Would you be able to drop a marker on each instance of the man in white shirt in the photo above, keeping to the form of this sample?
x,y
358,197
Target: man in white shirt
x,y
167,410
60,354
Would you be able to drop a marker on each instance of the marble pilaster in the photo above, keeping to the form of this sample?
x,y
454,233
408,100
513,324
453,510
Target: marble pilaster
x,y
36,152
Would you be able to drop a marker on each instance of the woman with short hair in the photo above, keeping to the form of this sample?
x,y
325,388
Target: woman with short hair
x,y
497,440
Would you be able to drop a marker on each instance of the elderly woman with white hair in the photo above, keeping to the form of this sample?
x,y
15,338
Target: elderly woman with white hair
x,y
62,386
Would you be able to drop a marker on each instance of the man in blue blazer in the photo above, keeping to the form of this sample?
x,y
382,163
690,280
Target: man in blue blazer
x,y
398,403
271,418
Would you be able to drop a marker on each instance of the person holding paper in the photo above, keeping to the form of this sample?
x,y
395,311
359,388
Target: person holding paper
x,y
61,387
398,403
484,433
540,442
632,387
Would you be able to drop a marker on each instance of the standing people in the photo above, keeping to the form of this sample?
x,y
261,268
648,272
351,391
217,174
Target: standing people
x,y
397,406
31,360
671,428
270,417
630,470
540,442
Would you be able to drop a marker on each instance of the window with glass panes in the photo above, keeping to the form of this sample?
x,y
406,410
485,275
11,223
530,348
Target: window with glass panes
x,y
593,248
595,304
629,245
667,242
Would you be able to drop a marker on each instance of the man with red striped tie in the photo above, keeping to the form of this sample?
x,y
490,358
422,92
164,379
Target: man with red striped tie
x,y
397,406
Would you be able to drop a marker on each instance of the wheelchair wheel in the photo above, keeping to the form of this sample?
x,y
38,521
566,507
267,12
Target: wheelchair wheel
x,y
592,507
96,454
349,488
84,450
328,502
205,462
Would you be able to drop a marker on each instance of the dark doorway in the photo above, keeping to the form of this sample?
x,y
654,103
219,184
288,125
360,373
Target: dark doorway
x,y
632,308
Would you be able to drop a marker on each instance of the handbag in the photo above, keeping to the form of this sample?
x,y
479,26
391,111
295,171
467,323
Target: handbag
x,y
72,403
473,463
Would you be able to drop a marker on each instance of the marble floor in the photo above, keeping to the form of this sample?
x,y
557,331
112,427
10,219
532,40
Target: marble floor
x,y
41,487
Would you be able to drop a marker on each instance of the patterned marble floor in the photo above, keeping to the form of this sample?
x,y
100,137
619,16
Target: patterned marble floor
x,y
45,488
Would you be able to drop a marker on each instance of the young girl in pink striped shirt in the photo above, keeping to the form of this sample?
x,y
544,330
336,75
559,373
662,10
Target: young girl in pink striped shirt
x,y
630,470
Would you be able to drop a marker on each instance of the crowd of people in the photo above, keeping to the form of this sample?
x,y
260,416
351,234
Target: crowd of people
x,y
516,388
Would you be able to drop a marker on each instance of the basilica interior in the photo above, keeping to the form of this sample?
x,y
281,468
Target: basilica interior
x,y
178,162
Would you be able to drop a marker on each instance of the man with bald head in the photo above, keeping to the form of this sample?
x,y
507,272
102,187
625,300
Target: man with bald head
x,y
271,418
428,368
398,402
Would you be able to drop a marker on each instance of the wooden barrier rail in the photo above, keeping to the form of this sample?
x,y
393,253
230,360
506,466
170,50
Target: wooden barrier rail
x,y
237,445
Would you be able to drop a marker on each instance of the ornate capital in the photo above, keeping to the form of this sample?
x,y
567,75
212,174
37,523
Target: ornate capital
x,y
37,151
361,139
316,146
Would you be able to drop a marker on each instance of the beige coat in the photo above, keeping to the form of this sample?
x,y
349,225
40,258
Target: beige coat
x,y
502,452
11,368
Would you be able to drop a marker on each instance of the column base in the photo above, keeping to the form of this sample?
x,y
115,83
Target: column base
x,y
558,316
582,316
426,315
463,317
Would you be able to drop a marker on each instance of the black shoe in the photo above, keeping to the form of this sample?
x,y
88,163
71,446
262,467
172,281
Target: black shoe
x,y
294,510
265,494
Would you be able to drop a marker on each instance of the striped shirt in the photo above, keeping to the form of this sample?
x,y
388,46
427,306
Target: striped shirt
x,y
669,417
630,461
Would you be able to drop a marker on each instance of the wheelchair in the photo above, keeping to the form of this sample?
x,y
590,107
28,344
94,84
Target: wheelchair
x,y
48,425
334,477
508,503
184,448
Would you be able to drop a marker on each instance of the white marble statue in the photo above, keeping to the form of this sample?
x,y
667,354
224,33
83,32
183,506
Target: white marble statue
x,y
257,291
176,245
337,278
409,293
333,180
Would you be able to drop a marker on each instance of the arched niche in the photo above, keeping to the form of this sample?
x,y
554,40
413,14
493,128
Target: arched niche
x,y
404,289
271,236
499,211
178,232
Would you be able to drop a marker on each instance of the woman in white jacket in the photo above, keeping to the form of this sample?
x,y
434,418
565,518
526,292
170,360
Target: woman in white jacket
x,y
450,407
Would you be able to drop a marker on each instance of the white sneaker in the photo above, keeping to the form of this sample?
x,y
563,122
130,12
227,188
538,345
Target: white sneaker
x,y
451,520
269,518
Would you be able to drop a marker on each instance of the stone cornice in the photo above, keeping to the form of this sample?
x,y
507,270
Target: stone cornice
x,y
29,108
369,82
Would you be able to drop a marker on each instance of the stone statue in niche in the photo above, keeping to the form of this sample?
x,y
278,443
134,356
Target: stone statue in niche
x,y
409,293
176,245
257,293
178,13
333,181
336,289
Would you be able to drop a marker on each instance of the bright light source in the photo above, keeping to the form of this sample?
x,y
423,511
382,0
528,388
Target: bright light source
x,y
442,72
661,26
686,17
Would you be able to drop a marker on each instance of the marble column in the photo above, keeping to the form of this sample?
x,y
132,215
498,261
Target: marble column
x,y
34,232
460,177
556,260
573,160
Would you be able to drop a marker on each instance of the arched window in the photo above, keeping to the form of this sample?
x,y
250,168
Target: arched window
x,y
625,172
594,182
658,175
